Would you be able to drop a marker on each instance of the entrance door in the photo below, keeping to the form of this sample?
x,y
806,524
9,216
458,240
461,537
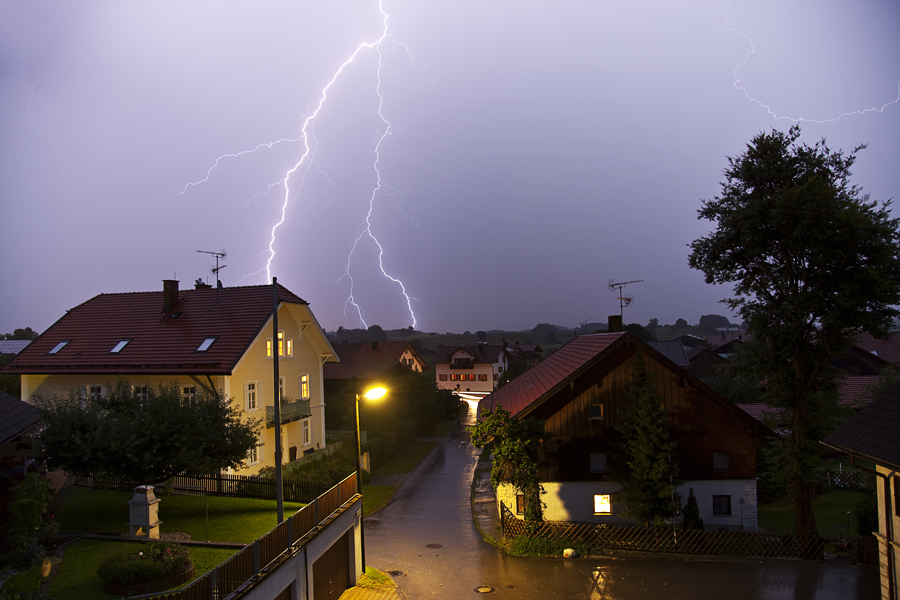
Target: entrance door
x,y
331,572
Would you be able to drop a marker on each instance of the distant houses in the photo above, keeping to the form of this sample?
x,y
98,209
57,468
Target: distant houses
x,y
471,371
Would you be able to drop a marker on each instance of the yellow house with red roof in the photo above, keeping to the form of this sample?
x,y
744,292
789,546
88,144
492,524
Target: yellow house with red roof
x,y
220,340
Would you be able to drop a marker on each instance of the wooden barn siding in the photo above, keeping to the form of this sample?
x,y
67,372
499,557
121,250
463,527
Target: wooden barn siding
x,y
698,423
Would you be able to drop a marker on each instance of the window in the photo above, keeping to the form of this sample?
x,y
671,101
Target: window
x,y
520,504
482,377
94,392
596,412
472,377
598,462
304,387
602,504
255,454
188,394
500,369
720,461
453,377
442,377
251,395
281,389
59,346
722,505
119,346
496,376
305,433
206,344
140,392
282,345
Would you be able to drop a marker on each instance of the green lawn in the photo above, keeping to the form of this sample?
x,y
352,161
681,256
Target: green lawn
x,y
240,520
375,497
406,460
830,510
77,575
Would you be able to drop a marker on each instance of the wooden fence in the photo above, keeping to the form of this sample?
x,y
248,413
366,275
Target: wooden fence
x,y
666,539
237,486
242,570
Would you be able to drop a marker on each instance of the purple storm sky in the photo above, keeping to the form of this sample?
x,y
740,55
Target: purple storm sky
x,y
535,151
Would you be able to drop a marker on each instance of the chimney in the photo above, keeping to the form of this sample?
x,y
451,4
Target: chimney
x,y
170,294
615,323
375,345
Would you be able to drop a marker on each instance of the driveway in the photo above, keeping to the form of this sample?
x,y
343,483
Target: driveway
x,y
426,538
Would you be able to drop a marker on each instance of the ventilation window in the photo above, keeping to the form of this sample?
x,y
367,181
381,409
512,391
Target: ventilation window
x,y
119,347
59,347
596,412
206,344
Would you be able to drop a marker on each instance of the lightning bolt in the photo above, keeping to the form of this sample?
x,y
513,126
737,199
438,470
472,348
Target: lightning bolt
x,y
737,85
305,162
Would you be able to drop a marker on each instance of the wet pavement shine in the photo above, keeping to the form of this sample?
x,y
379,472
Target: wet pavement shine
x,y
426,539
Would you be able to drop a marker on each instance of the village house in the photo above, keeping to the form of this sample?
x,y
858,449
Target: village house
x,y
370,362
219,340
580,392
873,435
471,371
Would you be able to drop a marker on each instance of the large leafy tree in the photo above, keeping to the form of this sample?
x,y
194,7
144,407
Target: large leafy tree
x,y
813,262
516,446
649,478
149,436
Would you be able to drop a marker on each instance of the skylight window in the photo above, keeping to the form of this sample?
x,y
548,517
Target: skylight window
x,y
206,344
59,347
119,347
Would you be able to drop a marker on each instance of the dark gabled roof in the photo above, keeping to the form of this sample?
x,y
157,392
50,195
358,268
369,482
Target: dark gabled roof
x,y
855,390
368,360
539,383
161,343
555,369
874,432
887,348
482,353
16,417
673,350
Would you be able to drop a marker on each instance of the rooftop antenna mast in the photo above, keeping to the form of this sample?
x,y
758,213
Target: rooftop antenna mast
x,y
218,255
582,324
623,299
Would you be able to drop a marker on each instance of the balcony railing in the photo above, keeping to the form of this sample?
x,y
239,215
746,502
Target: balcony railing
x,y
462,365
290,412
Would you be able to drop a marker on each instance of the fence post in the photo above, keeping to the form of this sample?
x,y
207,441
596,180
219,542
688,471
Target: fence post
x,y
290,531
256,556
214,584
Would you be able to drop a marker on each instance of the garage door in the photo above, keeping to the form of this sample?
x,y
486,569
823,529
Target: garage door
x,y
331,572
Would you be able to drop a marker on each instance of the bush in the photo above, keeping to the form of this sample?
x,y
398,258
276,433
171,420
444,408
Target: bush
x,y
867,515
537,546
24,584
32,531
144,564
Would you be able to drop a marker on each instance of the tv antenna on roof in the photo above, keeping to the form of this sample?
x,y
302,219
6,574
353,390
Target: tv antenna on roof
x,y
624,300
218,255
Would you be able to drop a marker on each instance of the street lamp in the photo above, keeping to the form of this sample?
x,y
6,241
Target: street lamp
x,y
372,393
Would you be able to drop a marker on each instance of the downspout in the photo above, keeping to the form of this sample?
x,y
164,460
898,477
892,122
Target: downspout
x,y
888,524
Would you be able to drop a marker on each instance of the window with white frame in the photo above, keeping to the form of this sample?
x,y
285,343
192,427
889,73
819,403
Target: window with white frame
x,y
285,346
188,394
281,389
305,433
59,347
255,451
251,395
602,504
141,393
304,387
93,391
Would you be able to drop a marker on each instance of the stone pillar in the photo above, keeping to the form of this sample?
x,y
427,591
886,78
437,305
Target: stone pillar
x,y
144,517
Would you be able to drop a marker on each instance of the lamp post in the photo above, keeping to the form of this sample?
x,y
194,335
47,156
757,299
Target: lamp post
x,y
373,393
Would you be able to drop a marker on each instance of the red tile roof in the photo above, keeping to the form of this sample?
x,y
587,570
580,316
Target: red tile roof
x,y
162,343
760,410
855,390
577,354
887,348
873,433
364,361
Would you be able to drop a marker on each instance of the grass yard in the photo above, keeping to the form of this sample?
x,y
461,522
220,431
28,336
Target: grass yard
x,y
407,459
240,520
77,575
375,497
830,510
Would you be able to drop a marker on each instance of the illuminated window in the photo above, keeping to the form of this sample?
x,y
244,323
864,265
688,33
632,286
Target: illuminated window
x,y
520,504
119,347
720,461
472,377
722,505
482,377
598,462
304,387
251,395
453,377
59,347
206,344
602,504
596,413
305,438
282,344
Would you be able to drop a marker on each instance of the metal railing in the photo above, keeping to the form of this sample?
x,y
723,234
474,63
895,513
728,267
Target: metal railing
x,y
290,412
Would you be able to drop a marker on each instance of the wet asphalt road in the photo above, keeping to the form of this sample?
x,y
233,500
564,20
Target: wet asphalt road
x,y
427,533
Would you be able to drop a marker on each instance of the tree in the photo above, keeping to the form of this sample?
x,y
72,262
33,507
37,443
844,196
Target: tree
x,y
21,334
149,436
813,262
516,444
713,322
691,513
681,323
650,478
481,336
376,334
640,331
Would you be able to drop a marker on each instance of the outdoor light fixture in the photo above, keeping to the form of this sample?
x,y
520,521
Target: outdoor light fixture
x,y
375,392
